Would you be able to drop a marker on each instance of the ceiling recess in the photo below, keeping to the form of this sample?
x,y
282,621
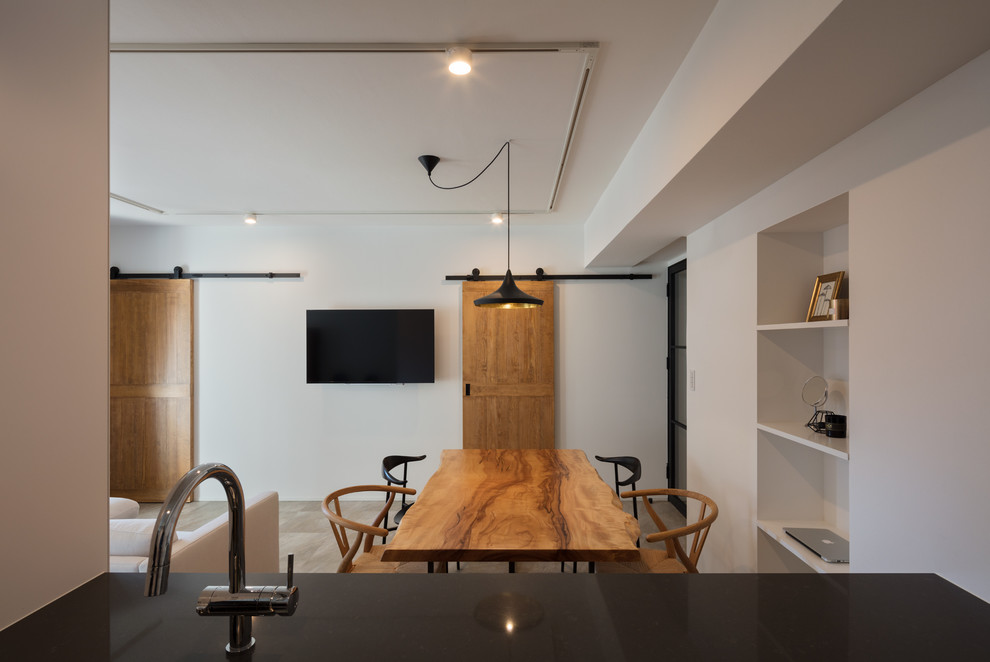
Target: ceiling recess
x,y
153,194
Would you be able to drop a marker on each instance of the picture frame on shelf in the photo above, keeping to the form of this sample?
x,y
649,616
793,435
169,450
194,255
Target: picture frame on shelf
x,y
826,289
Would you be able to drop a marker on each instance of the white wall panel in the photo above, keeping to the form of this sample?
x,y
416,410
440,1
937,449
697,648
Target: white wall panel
x,y
53,248
919,362
722,408
255,411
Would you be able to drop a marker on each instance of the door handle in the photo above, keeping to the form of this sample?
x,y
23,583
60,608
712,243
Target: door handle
x,y
467,389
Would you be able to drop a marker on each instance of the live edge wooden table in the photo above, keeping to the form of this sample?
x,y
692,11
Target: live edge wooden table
x,y
515,505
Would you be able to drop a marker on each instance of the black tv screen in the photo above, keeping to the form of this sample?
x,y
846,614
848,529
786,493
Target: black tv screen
x,y
369,346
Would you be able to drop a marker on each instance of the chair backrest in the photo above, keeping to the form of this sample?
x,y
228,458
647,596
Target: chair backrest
x,y
671,537
392,461
628,462
365,532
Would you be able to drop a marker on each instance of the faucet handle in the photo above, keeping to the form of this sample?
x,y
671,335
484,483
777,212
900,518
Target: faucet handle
x,y
251,600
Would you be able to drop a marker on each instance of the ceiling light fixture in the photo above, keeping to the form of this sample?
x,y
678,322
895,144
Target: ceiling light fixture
x,y
459,60
508,295
251,218
497,218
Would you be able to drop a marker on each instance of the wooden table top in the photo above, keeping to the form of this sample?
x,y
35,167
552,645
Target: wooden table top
x,y
515,505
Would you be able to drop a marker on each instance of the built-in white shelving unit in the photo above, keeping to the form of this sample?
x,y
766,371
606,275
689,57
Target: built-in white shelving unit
x,y
775,530
799,433
802,475
791,326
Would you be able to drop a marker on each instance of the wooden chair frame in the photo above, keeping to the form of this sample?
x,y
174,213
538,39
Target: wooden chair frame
x,y
366,533
671,537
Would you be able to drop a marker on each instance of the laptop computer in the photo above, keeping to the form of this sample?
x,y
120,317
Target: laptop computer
x,y
831,547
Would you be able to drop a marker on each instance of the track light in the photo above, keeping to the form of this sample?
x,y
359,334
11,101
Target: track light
x,y
459,60
251,218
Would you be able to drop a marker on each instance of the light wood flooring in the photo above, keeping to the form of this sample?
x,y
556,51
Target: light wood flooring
x,y
305,532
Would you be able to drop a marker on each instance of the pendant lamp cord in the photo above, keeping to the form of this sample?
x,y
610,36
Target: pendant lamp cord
x,y
508,194
508,204
451,188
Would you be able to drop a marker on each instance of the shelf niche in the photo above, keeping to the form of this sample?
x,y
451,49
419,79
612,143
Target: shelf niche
x,y
802,476
799,486
791,254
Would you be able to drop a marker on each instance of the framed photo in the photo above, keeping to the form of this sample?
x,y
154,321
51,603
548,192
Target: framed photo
x,y
826,289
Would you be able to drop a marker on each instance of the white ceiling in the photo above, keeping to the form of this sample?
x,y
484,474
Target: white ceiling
x,y
331,137
862,60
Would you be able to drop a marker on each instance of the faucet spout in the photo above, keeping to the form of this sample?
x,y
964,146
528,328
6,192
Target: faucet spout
x,y
237,601
240,601
160,553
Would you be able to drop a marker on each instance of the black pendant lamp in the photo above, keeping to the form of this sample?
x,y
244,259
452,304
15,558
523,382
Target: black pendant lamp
x,y
508,295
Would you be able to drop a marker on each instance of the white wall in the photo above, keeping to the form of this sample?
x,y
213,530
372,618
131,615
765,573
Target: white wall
x,y
721,335
255,412
53,248
721,294
919,363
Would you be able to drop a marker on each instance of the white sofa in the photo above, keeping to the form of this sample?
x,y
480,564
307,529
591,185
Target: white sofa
x,y
121,508
206,548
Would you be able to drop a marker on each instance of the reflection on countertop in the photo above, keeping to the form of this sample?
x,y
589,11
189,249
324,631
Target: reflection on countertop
x,y
566,616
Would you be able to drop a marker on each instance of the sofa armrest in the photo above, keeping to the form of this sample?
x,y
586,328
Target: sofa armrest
x,y
128,564
206,549
121,508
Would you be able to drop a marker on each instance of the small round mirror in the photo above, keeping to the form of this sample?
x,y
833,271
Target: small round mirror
x,y
815,391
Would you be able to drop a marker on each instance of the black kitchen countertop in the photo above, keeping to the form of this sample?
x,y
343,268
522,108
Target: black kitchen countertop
x,y
455,618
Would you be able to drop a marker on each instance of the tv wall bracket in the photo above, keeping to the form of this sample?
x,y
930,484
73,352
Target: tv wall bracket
x,y
542,275
178,273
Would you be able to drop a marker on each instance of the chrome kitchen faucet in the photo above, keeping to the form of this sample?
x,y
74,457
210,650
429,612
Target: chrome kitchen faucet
x,y
236,600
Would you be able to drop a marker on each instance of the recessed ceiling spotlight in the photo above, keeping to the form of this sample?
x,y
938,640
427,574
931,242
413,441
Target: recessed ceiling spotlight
x,y
497,217
459,60
251,218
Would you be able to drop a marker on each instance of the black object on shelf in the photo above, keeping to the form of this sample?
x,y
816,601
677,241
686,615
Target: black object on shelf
x,y
817,421
835,425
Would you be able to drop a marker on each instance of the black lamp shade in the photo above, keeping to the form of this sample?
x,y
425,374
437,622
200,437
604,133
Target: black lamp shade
x,y
508,295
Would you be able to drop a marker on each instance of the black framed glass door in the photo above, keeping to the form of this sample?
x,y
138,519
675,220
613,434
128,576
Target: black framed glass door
x,y
677,380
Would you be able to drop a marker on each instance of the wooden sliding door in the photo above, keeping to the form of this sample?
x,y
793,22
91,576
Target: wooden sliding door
x,y
151,386
508,364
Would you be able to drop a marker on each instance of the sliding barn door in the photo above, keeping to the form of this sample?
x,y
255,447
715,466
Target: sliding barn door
x,y
508,391
151,384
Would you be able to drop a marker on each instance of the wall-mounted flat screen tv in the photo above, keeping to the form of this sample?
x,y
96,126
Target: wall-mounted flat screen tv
x,y
369,346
